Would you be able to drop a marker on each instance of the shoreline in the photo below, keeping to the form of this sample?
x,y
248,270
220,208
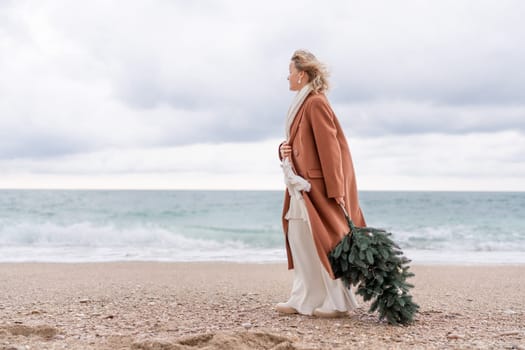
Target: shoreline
x,y
436,263
164,305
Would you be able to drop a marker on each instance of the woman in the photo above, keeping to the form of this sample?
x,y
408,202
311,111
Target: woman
x,y
320,178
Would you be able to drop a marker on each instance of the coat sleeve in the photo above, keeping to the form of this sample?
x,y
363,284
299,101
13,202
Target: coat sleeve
x,y
328,149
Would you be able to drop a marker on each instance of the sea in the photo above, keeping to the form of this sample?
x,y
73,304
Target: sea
x,y
245,226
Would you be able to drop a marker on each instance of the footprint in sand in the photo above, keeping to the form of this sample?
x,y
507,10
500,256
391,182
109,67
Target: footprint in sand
x,y
221,341
44,331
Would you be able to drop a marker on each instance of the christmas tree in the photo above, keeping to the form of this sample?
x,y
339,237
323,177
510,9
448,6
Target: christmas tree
x,y
367,258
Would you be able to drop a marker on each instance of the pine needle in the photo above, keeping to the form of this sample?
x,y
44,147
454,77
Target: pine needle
x,y
367,258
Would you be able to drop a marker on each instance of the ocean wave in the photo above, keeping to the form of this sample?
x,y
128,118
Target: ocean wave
x,y
460,238
88,242
242,226
86,234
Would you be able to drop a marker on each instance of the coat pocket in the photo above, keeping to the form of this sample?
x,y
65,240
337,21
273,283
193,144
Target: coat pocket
x,y
315,174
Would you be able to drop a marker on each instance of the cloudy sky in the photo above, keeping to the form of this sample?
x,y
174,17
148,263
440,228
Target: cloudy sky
x,y
193,94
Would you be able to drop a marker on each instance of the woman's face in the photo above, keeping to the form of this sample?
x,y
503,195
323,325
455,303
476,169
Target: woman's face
x,y
294,77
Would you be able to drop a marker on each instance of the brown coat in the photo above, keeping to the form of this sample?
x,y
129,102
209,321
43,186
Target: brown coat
x,y
320,154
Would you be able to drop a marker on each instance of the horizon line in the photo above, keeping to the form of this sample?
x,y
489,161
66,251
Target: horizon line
x,y
243,190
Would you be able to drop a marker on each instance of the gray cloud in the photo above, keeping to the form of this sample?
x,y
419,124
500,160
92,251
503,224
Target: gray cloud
x,y
377,118
99,75
39,145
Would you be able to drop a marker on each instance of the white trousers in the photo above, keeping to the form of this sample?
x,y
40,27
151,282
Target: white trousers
x,y
312,286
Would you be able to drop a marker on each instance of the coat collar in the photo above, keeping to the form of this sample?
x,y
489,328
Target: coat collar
x,y
295,125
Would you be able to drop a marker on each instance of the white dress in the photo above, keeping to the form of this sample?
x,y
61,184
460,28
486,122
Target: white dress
x,y
312,286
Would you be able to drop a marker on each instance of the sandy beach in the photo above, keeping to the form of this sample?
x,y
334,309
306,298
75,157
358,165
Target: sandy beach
x,y
159,306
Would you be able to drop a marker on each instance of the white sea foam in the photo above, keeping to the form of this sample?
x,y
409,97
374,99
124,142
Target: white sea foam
x,y
440,257
86,234
458,238
86,242
69,255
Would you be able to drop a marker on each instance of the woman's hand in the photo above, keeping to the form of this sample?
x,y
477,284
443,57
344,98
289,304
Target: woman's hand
x,y
286,150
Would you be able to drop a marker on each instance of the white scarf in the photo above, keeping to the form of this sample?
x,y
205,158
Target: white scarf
x,y
294,182
297,102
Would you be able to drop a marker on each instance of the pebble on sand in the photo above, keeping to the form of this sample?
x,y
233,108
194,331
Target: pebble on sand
x,y
455,336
